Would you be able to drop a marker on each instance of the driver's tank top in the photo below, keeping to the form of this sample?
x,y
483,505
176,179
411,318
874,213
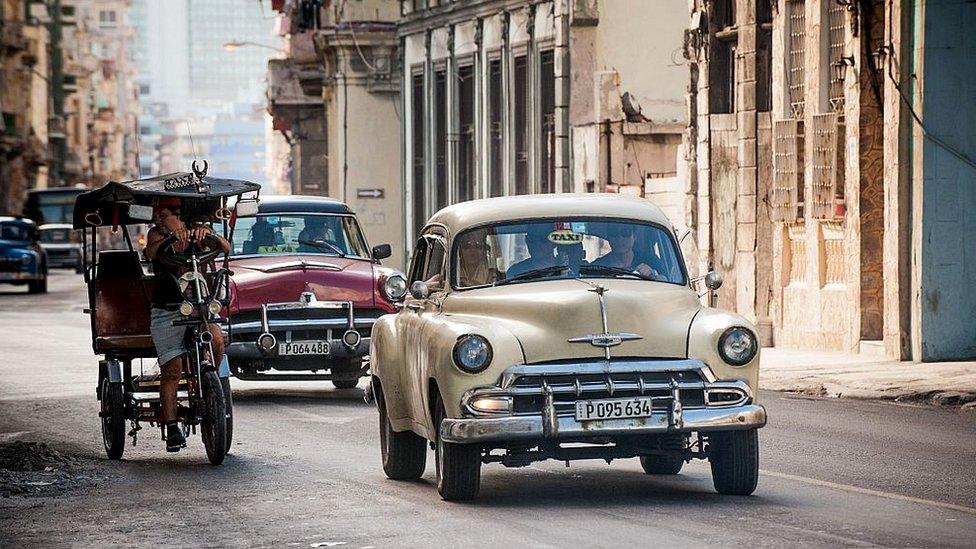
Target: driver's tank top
x,y
166,288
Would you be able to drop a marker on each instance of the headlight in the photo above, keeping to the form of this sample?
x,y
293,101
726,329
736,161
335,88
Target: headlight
x,y
186,308
737,346
26,259
214,307
472,353
395,287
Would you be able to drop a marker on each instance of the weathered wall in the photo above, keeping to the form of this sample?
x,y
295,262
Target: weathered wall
x,y
946,187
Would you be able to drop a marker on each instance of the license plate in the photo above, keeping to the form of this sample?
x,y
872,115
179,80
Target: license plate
x,y
303,348
613,408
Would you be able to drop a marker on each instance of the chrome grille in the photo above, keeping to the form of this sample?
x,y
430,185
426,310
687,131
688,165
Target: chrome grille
x,y
528,390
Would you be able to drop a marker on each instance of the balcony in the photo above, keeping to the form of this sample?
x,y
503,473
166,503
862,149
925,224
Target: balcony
x,y
292,87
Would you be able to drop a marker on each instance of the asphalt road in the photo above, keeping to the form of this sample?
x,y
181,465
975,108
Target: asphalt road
x,y
305,472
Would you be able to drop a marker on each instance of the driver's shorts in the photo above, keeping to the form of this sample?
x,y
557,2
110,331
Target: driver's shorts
x,y
168,339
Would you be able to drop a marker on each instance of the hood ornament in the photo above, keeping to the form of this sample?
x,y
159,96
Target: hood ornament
x,y
606,339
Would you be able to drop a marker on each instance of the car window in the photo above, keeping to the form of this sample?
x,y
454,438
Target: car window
x,y
434,273
298,233
58,236
14,231
525,251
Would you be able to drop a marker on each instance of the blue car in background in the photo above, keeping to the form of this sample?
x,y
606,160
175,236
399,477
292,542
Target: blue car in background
x,y
22,260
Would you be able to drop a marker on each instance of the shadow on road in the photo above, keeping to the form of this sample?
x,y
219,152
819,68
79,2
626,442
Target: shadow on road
x,y
345,397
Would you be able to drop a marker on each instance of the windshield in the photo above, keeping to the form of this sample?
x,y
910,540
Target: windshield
x,y
298,233
14,231
511,253
58,236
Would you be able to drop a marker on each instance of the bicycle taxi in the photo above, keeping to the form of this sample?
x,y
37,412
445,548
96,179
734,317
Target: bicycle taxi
x,y
120,284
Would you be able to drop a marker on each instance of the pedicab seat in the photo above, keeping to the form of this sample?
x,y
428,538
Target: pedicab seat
x,y
122,295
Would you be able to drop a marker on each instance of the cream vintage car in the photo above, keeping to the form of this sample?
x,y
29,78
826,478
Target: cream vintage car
x,y
561,327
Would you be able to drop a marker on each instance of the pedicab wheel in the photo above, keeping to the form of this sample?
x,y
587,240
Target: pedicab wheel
x,y
214,426
404,454
734,456
113,419
458,465
229,404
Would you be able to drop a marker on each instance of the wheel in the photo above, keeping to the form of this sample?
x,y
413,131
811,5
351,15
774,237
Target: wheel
x,y
661,465
113,419
345,383
80,268
458,465
734,456
404,454
214,426
37,286
229,403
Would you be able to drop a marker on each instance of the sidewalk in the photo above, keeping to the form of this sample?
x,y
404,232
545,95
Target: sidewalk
x,y
836,374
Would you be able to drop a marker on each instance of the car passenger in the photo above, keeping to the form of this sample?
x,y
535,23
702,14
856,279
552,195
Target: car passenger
x,y
475,265
169,339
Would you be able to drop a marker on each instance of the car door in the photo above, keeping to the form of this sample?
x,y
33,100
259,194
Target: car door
x,y
417,328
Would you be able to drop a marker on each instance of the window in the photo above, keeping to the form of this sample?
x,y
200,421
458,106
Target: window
x,y
547,104
305,234
417,264
796,48
419,146
440,139
521,118
721,68
835,52
764,57
465,160
495,176
107,18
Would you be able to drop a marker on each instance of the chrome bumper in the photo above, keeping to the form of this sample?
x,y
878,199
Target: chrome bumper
x,y
722,406
19,276
337,349
537,428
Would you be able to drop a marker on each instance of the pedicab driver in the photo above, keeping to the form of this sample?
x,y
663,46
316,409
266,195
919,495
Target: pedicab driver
x,y
166,297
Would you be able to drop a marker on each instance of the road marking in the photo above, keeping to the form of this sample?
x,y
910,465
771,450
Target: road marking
x,y
869,492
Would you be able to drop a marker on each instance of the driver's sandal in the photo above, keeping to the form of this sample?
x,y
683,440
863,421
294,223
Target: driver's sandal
x,y
174,437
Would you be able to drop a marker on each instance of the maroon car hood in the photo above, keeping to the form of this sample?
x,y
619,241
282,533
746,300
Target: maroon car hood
x,y
281,279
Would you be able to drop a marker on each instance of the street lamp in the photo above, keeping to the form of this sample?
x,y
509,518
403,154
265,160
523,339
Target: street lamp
x,y
233,45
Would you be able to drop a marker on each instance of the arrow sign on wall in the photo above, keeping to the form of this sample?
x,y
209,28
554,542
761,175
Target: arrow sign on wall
x,y
369,193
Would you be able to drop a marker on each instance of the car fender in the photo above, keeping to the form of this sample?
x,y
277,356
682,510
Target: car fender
x,y
438,361
703,335
386,363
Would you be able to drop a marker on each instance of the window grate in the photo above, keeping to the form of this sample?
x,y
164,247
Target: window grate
x,y
797,54
823,132
785,193
836,38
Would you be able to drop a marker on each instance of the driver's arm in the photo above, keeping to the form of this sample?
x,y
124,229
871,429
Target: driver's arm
x,y
154,238
201,231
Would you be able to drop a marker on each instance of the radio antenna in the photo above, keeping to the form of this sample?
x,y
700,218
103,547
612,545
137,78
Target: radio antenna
x,y
189,134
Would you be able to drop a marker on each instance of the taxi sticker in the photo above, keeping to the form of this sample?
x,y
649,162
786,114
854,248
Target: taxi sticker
x,y
565,237
280,249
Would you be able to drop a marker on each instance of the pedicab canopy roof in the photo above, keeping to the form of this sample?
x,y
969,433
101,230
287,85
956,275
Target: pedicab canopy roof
x,y
201,197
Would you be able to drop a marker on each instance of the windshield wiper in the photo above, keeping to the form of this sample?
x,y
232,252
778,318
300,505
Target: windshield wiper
x,y
322,245
615,270
534,273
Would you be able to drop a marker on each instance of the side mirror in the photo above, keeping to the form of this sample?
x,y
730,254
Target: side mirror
x,y
140,212
382,251
713,280
419,290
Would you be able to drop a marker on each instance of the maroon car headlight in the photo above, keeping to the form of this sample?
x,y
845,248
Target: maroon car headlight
x,y
394,287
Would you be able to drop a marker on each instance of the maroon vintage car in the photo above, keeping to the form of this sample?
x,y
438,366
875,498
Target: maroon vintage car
x,y
305,292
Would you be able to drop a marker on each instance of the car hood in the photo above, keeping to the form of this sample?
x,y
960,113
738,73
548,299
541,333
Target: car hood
x,y
17,248
545,315
281,279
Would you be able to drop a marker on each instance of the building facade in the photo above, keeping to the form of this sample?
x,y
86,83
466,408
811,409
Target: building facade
x,y
23,105
504,97
833,186
334,97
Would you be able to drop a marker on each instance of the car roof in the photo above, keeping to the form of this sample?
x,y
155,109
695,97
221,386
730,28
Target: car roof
x,y
542,206
13,219
56,226
301,204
